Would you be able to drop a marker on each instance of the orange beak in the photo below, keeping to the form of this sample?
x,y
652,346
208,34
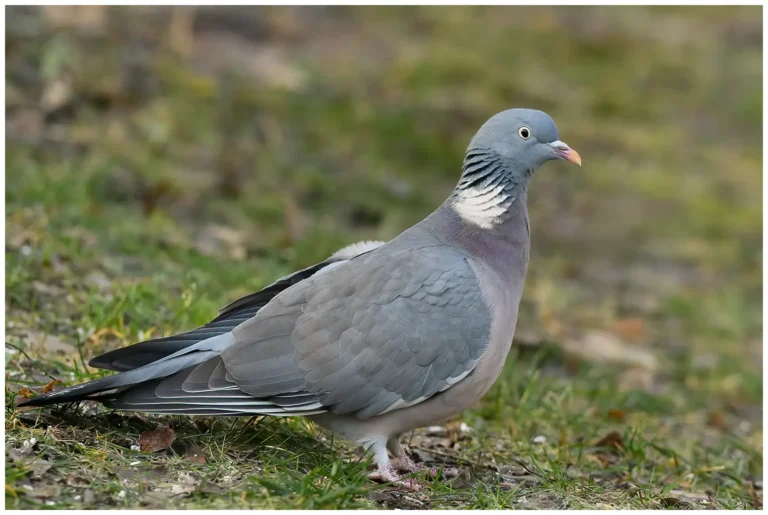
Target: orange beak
x,y
565,152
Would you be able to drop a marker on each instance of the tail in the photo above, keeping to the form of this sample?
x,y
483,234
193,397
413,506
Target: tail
x,y
191,381
167,365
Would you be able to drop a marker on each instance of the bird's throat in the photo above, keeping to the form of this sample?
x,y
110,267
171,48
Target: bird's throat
x,y
487,190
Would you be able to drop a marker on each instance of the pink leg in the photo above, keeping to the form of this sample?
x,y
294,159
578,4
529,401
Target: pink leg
x,y
385,472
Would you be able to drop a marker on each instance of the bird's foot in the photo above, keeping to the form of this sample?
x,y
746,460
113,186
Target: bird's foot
x,y
406,464
387,474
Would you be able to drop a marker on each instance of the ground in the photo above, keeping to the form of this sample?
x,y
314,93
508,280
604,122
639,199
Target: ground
x,y
162,162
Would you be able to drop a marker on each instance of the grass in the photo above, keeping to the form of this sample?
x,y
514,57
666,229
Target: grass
x,y
151,180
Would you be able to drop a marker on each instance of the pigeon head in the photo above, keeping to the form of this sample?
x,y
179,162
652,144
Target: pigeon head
x,y
524,138
501,158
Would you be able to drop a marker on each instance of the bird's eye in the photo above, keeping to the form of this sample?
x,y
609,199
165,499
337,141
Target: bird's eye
x,y
524,132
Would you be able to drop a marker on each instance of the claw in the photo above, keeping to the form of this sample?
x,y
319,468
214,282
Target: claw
x,y
387,474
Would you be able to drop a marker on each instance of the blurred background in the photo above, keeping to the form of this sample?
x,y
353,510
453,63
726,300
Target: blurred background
x,y
174,158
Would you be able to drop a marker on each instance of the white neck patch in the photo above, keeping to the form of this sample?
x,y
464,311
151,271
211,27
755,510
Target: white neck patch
x,y
484,208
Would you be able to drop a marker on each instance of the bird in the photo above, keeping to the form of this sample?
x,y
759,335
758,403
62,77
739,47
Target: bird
x,y
377,340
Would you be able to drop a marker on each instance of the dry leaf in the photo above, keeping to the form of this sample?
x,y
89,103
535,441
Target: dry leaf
x,y
617,414
196,455
23,396
49,387
612,441
157,440
717,420
631,329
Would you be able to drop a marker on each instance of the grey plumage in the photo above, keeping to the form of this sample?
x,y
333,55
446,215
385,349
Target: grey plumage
x,y
379,338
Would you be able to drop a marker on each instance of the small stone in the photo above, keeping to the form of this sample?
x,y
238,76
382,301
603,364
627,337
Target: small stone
x,y
539,439
135,448
121,495
78,497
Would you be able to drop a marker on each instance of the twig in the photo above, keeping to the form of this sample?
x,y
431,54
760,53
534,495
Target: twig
x,y
525,467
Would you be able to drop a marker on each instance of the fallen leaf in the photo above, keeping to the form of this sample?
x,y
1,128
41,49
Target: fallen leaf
x,y
22,395
631,329
717,420
612,441
49,387
617,414
196,455
158,439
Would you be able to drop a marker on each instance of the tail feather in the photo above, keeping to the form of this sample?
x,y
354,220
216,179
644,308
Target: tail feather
x,y
180,383
161,368
129,378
